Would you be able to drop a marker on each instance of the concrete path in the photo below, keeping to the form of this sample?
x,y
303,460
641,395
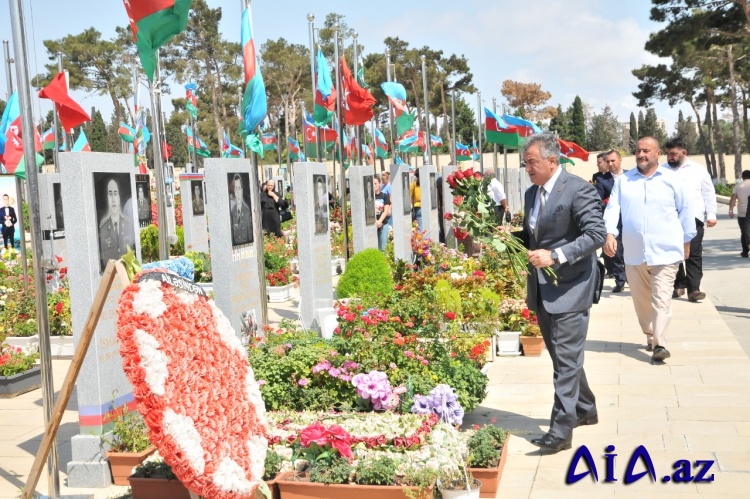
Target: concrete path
x,y
695,406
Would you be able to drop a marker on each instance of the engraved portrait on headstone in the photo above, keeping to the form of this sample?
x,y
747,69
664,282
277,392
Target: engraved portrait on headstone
x,y
199,204
57,197
169,182
406,193
280,187
320,195
249,327
143,200
239,208
114,209
433,192
369,199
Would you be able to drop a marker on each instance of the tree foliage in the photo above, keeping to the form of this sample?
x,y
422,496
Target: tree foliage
x,y
577,127
528,100
605,132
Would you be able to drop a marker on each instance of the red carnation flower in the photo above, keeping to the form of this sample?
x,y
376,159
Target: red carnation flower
x,y
448,216
525,313
450,315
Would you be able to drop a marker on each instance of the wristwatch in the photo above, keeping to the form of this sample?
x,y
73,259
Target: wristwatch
x,y
554,256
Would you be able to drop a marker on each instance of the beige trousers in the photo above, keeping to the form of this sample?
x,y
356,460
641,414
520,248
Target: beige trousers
x,y
651,288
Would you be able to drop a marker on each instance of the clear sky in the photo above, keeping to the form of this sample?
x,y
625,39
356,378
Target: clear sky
x,y
570,47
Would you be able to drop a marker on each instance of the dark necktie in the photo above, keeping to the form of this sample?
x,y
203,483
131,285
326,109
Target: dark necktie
x,y
542,202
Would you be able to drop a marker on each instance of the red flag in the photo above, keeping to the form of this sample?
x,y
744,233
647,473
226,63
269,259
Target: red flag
x,y
166,150
573,150
70,112
358,102
13,147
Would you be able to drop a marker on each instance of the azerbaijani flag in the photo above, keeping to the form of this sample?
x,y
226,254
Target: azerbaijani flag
x,y
202,149
154,23
191,104
396,94
463,153
325,94
497,131
410,142
381,146
82,143
254,103
295,153
10,115
269,141
404,122
475,151
126,132
572,150
48,139
229,150
525,127
435,141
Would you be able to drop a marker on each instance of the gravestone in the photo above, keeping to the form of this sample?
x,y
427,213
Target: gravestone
x,y
278,185
401,212
194,221
234,251
52,219
313,241
362,198
448,207
428,190
89,183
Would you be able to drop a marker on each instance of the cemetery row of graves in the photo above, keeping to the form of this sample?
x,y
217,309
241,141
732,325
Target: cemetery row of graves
x,y
369,384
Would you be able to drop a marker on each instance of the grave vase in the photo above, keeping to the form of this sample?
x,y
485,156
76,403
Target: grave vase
x,y
278,294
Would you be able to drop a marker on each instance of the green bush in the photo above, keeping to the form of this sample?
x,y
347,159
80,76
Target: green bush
x,y
273,465
150,244
381,471
202,264
178,249
337,471
724,190
367,274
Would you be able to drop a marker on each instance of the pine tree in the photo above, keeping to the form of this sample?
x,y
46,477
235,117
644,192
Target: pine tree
x,y
577,128
688,132
114,143
633,133
651,127
97,132
605,132
559,123
641,121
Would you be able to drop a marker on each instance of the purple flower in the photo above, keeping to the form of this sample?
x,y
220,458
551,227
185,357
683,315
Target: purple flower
x,y
349,365
375,387
303,382
261,382
421,405
443,401
321,366
334,372
288,346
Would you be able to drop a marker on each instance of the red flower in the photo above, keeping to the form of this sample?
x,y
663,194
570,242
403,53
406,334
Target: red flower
x,y
468,173
448,216
340,440
450,315
458,200
479,273
59,307
315,433
477,176
452,181
459,234
459,175
525,313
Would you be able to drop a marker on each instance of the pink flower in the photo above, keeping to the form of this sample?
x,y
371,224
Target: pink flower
x,y
303,382
409,354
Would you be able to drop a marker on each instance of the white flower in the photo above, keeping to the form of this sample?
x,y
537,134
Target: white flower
x,y
149,299
182,430
230,477
153,361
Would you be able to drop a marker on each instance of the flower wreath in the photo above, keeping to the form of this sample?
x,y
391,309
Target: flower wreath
x,y
194,387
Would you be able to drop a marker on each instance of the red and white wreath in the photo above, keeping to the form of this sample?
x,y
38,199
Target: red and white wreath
x,y
194,387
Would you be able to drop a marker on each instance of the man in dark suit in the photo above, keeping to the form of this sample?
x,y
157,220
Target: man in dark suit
x,y
8,219
242,227
144,206
116,230
563,228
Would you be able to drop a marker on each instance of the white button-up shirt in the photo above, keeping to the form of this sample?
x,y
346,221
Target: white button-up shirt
x,y
657,218
699,189
561,258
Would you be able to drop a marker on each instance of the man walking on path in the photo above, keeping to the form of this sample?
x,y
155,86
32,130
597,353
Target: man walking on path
x,y
657,226
739,195
617,264
563,228
702,198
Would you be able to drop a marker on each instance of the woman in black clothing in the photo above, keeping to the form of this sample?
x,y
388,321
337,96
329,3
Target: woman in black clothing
x,y
270,203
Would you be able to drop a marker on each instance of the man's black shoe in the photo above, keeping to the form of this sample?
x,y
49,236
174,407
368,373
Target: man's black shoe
x,y
660,353
744,255
587,420
696,296
678,292
551,443
618,288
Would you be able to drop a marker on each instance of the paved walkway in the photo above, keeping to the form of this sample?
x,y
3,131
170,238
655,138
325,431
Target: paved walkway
x,y
696,406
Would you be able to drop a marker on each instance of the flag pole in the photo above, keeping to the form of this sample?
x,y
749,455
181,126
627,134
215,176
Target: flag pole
x,y
161,201
479,124
494,146
357,128
19,181
56,150
453,127
311,29
427,140
390,105
342,178
40,281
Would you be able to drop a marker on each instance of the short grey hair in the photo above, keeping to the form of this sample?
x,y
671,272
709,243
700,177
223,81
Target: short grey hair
x,y
547,143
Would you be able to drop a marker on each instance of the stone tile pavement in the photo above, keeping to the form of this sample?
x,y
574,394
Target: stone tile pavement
x,y
695,406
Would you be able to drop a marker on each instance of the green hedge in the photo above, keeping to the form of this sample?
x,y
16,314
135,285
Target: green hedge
x,y
367,274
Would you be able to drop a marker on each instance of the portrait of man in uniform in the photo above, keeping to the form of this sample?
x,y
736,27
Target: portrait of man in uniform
x,y
320,197
369,200
405,194
240,216
143,202
199,205
57,198
114,212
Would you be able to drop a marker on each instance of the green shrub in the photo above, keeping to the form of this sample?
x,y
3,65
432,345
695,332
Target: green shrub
x,y
129,433
202,264
482,451
23,329
724,190
337,471
178,249
381,471
448,297
367,274
150,244
273,465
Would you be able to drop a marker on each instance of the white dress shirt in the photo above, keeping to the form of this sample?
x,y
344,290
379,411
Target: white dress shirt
x,y
699,189
657,218
535,212
496,191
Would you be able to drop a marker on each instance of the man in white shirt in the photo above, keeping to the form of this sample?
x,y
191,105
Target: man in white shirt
x,y
702,197
739,195
497,193
617,262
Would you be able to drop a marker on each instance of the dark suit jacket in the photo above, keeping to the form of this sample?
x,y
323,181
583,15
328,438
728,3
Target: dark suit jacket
x,y
8,211
604,184
572,223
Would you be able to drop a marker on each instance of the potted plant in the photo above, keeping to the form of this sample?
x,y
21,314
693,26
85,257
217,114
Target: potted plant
x,y
459,484
488,451
513,316
272,471
128,447
531,338
18,371
279,277
154,479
